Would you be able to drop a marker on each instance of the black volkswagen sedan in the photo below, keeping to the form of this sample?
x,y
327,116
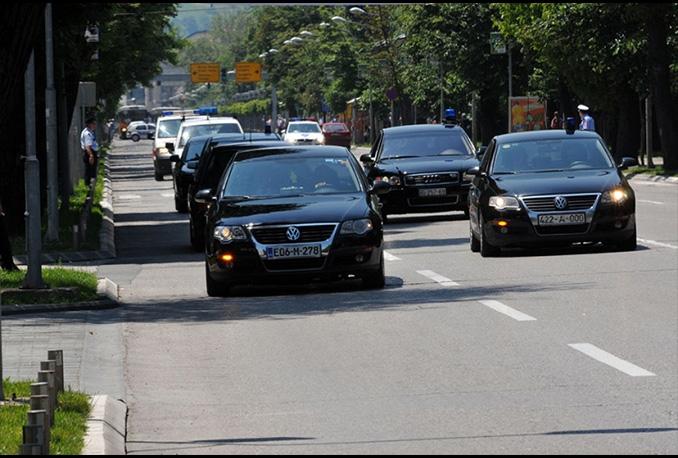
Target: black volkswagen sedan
x,y
293,214
426,166
550,188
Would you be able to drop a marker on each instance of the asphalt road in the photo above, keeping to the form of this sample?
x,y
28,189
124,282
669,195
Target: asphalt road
x,y
569,351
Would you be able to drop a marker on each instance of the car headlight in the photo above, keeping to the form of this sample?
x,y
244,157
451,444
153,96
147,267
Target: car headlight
x,y
357,227
393,180
504,203
227,234
614,196
468,178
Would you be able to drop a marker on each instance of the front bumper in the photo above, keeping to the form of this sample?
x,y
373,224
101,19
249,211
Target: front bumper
x,y
407,199
606,223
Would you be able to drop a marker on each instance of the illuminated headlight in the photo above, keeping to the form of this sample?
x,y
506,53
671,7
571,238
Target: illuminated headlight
x,y
393,181
468,178
320,140
357,227
227,234
504,203
616,196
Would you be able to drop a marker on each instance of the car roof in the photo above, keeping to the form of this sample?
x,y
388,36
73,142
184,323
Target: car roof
x,y
176,117
421,129
208,121
551,134
303,122
303,151
246,136
261,144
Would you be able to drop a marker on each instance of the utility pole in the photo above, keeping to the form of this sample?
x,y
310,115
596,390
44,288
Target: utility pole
x,y
274,109
648,130
33,278
442,93
510,83
51,146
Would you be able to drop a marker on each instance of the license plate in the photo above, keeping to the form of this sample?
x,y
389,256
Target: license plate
x,y
435,192
294,251
562,219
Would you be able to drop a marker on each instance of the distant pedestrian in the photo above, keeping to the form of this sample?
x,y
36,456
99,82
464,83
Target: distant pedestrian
x,y
90,149
6,260
587,122
555,121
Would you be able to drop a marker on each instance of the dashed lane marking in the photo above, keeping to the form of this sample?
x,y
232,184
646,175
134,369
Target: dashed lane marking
x,y
506,310
437,278
611,360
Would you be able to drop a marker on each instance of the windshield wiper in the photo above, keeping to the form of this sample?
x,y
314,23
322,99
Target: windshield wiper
x,y
548,171
504,173
397,157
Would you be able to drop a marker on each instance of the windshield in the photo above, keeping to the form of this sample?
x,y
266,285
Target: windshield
x,y
335,128
279,177
303,128
168,128
443,143
209,130
551,156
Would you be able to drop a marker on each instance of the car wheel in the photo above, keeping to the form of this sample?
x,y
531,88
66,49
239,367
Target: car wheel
x,y
215,288
486,249
376,280
629,244
181,205
159,176
135,138
467,215
197,240
384,217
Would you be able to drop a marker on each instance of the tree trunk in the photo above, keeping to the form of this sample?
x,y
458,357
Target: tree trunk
x,y
628,127
487,119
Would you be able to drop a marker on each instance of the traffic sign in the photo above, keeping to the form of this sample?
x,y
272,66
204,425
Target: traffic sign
x,y
497,43
247,72
205,73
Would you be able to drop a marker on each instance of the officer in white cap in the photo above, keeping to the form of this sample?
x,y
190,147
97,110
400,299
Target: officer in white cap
x,y
587,122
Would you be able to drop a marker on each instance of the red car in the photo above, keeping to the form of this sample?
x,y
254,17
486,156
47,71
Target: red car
x,y
336,133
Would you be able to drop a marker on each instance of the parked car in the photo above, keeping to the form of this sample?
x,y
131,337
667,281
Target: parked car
x,y
337,133
304,133
207,176
426,165
547,188
167,128
138,129
293,214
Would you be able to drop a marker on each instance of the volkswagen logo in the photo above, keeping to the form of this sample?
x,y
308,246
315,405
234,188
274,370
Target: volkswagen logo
x,y
293,234
560,202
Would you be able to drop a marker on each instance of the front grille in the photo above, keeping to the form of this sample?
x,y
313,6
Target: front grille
x,y
547,204
295,264
432,178
278,235
562,230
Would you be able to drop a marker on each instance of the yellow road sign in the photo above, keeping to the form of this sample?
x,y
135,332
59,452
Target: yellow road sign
x,y
247,72
205,73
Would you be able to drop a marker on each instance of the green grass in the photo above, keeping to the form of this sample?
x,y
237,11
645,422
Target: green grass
x,y
86,282
656,171
70,421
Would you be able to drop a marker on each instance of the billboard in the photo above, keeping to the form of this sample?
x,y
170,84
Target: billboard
x,y
527,113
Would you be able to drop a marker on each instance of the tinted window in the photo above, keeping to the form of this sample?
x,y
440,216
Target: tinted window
x,y
281,176
168,128
304,128
439,143
551,155
335,128
208,130
193,150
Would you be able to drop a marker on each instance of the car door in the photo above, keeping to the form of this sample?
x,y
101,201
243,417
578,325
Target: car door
x,y
479,187
375,154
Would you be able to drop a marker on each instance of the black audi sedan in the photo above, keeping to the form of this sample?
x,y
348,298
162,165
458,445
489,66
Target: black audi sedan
x,y
293,214
550,188
210,169
426,165
186,164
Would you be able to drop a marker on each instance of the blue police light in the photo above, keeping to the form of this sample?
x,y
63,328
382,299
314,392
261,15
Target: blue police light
x,y
450,117
167,113
206,111
570,125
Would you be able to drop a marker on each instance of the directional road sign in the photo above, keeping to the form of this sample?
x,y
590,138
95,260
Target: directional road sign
x,y
205,73
247,72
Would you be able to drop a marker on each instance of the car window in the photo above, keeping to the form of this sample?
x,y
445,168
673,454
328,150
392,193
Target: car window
x,y
168,128
284,176
335,128
208,130
487,157
551,155
424,144
193,150
303,128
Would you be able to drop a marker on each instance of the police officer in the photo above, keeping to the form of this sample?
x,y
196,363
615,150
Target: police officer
x,y
90,149
587,122
7,263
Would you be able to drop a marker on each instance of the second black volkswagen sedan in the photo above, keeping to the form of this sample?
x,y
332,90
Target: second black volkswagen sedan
x,y
426,166
550,188
293,214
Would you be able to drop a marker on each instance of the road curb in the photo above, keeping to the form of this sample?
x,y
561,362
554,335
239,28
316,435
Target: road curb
x,y
106,427
652,178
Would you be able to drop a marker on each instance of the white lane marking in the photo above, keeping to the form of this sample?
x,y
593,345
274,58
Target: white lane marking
x,y
611,360
650,202
437,278
128,196
508,311
389,257
655,243
166,194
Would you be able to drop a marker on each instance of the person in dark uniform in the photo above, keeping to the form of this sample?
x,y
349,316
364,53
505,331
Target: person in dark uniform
x,y
7,262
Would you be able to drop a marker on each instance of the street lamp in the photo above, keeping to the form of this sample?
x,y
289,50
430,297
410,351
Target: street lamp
x,y
273,51
339,20
296,40
324,25
306,33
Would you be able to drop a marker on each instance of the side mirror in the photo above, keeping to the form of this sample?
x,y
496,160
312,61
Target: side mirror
x,y
380,188
170,147
627,162
204,196
366,159
475,171
175,158
481,152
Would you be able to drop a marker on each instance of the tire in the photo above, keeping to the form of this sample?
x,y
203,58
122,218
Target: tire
x,y
215,288
629,244
467,214
181,205
135,138
197,240
376,280
475,243
486,249
384,218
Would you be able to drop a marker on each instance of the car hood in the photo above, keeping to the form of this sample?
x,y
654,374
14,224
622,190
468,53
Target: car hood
x,y
297,135
294,210
427,164
569,182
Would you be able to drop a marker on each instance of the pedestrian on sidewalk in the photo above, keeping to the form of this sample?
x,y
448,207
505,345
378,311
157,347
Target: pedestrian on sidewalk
x,y
6,260
587,121
90,149
555,121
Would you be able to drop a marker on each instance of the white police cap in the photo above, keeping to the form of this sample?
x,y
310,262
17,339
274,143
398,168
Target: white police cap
x,y
583,108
